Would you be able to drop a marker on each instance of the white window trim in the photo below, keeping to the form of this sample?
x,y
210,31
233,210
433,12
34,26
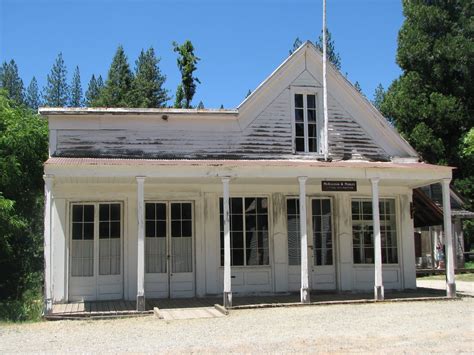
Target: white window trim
x,y
318,92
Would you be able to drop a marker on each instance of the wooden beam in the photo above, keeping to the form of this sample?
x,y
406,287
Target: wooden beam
x,y
305,294
227,267
48,259
141,244
378,287
448,234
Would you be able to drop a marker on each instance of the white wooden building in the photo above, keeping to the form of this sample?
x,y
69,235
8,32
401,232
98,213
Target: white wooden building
x,y
158,203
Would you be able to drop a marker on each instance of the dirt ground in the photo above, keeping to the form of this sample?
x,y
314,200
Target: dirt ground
x,y
414,327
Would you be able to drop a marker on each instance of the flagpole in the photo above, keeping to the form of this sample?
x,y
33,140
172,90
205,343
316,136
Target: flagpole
x,y
325,89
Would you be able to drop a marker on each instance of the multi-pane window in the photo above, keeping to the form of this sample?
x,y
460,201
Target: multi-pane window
x,y
306,136
155,237
82,251
249,244
363,235
109,239
181,237
322,231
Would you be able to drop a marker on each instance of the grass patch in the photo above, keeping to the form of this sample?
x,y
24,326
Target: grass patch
x,y
29,308
459,277
469,265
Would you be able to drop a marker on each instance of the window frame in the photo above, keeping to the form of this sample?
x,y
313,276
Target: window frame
x,y
370,223
317,92
270,229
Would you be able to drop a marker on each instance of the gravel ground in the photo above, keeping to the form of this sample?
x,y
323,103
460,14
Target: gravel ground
x,y
414,327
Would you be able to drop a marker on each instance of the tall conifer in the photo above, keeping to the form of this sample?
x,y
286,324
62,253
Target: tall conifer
x,y
76,90
10,81
56,91
32,97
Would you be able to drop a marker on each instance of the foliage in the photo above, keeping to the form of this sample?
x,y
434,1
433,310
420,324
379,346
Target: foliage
x,y
76,90
116,92
147,87
179,97
431,103
332,55
93,91
32,97
56,92
379,96
200,105
187,66
358,87
28,308
296,44
10,81
23,149
248,93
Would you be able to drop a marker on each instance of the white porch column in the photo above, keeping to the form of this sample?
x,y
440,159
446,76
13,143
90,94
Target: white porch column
x,y
227,270
378,287
450,254
305,294
48,282
141,244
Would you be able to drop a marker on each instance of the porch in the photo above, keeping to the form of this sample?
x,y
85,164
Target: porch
x,y
122,308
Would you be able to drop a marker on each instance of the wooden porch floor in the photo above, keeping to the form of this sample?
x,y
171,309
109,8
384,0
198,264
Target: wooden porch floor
x,y
128,308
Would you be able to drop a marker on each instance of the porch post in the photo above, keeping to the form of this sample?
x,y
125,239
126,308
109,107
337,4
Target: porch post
x,y
450,254
48,282
378,287
227,270
141,244
305,295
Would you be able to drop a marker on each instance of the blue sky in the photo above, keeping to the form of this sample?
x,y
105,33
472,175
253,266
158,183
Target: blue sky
x,y
239,42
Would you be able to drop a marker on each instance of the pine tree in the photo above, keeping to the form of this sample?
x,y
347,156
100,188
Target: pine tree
x,y
332,55
93,91
358,87
116,92
179,97
11,82
296,44
76,90
56,92
187,66
221,107
379,95
32,97
147,86
200,105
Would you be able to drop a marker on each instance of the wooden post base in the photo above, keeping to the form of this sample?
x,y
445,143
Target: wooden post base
x,y
141,303
451,290
227,299
305,298
378,293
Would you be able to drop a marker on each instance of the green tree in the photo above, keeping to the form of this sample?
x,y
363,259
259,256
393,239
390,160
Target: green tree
x,y
187,66
248,93
10,81
358,87
431,103
116,92
23,149
32,97
179,97
296,44
200,105
147,86
76,90
379,95
332,55
93,91
56,92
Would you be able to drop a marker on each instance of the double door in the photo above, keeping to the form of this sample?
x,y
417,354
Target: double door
x,y
321,263
169,249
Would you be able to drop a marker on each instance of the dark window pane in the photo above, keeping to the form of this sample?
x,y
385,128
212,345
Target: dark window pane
x,y
77,230
161,211
161,229
367,210
236,223
77,212
150,229
311,99
356,256
299,115
311,115
262,205
104,230
312,130
221,222
251,239
316,207
237,240
237,257
263,240
221,205
235,205
299,144
298,100
186,209
115,212
114,229
175,228
262,222
175,211
326,206
88,231
299,130
250,205
250,222
355,210
88,213
150,211
104,212
187,229
312,145
292,206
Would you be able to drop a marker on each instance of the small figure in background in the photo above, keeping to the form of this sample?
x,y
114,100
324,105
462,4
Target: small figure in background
x,y
440,255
